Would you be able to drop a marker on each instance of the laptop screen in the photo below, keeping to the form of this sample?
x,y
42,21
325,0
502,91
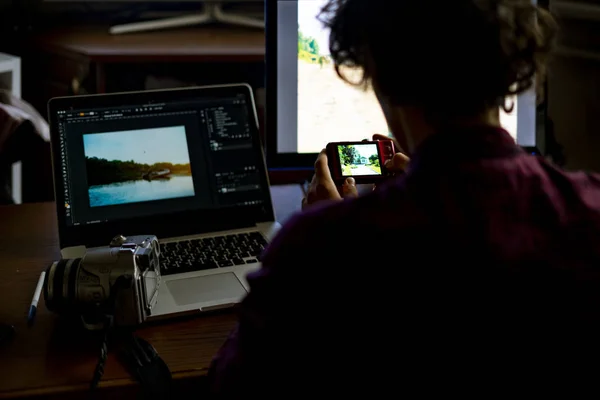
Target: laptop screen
x,y
144,157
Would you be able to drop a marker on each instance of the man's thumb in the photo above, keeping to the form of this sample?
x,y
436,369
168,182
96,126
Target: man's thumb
x,y
349,188
398,163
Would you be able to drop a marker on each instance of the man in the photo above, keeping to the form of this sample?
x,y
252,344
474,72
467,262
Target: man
x,y
478,268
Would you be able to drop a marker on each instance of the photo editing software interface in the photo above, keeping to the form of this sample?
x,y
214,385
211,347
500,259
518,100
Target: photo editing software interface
x,y
316,107
152,159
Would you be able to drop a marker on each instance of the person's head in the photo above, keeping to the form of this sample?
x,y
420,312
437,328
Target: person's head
x,y
439,62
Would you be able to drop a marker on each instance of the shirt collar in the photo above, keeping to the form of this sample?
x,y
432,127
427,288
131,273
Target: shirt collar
x,y
454,146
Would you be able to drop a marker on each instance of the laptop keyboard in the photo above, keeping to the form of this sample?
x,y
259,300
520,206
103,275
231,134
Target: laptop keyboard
x,y
209,253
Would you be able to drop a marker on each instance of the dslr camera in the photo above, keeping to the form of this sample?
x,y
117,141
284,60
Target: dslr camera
x,y
119,282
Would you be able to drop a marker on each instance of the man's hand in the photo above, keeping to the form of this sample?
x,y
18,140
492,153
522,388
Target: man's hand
x,y
400,160
322,187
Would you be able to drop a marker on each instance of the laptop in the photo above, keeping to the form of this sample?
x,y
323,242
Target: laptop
x,y
185,165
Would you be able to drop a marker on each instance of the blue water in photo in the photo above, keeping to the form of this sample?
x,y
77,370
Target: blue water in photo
x,y
141,190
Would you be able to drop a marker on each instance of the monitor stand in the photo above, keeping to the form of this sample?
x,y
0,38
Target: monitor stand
x,y
213,13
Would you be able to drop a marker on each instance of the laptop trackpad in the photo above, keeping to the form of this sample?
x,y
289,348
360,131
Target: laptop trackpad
x,y
207,288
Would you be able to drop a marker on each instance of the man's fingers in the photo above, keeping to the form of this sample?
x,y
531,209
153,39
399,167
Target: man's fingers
x,y
321,158
379,136
400,160
322,166
398,163
304,203
349,188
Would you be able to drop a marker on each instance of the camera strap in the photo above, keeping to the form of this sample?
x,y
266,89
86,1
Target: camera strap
x,y
147,367
137,355
141,360
99,370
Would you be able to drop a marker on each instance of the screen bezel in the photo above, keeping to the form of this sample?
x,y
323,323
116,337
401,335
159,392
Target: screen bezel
x,y
291,166
336,164
167,224
298,167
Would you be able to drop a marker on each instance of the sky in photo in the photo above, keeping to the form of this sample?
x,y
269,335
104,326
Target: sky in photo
x,y
310,25
144,146
366,150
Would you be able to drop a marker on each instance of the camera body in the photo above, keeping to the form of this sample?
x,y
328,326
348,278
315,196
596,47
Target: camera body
x,y
363,161
120,281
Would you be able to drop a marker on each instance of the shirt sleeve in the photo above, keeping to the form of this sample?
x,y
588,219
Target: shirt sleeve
x,y
250,354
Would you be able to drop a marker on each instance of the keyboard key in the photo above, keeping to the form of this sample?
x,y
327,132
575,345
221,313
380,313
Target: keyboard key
x,y
209,253
209,265
255,253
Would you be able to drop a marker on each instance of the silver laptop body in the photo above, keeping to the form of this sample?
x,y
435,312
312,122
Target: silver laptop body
x,y
185,165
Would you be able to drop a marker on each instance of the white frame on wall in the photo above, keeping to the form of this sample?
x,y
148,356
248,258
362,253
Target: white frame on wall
x,y
10,79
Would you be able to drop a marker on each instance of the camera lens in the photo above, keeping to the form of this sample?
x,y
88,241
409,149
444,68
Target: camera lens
x,y
59,288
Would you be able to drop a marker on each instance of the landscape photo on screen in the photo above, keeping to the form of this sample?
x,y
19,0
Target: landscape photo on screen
x,y
137,166
329,109
359,159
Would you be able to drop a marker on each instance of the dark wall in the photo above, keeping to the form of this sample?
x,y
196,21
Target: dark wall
x,y
574,80
574,84
39,14
47,74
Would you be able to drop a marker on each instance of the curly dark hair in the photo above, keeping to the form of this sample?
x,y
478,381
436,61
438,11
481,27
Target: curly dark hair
x,y
451,57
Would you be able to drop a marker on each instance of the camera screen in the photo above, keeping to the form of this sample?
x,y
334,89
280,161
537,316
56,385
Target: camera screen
x,y
359,159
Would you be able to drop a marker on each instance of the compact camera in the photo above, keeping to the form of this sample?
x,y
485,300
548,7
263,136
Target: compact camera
x,y
363,161
120,281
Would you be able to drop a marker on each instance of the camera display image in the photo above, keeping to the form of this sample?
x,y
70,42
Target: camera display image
x,y
137,166
359,159
327,104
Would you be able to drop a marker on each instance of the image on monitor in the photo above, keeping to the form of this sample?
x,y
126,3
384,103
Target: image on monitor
x,y
137,166
359,159
329,109
316,107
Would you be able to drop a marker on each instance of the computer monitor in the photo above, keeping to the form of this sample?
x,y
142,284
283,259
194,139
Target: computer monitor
x,y
308,105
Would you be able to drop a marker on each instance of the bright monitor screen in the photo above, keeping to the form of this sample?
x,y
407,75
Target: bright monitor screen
x,y
312,106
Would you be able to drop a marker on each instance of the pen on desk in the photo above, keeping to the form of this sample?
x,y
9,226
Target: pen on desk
x,y
36,299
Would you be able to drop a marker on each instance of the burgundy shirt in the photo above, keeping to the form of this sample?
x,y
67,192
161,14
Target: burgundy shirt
x,y
481,263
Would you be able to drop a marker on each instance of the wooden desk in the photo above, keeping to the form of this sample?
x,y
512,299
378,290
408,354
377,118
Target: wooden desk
x,y
49,362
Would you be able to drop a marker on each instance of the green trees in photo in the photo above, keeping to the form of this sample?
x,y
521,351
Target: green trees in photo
x,y
348,155
310,51
374,160
101,171
308,44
